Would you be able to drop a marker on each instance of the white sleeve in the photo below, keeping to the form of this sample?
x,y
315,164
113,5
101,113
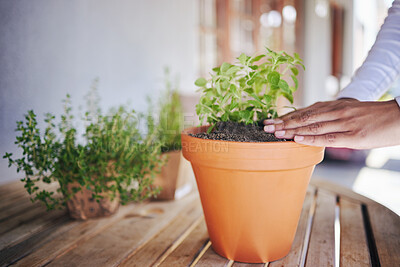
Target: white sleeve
x,y
382,65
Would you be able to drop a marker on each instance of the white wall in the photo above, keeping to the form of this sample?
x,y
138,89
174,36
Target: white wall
x,y
51,48
318,50
317,54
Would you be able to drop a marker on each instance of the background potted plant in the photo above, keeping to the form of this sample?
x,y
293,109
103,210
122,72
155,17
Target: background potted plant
x,y
112,162
174,178
251,190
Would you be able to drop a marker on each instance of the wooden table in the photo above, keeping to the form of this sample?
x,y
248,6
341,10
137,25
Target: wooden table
x,y
174,233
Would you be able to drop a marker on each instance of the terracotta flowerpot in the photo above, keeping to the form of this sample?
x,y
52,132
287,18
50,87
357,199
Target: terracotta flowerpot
x,y
82,206
175,177
252,193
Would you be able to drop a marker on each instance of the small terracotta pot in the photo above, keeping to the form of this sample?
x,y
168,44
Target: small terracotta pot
x,y
82,206
252,193
175,175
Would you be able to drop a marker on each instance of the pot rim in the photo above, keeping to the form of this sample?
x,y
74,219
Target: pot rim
x,y
251,156
237,144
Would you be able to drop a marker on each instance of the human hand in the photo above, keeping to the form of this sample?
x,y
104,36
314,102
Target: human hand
x,y
341,123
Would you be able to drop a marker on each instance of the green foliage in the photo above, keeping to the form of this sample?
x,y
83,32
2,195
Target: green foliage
x,y
248,90
114,156
170,116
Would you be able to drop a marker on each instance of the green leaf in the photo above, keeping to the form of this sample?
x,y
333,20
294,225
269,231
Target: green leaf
x,y
198,109
289,58
224,84
250,82
225,99
296,82
257,58
243,58
256,98
273,78
249,90
210,128
254,103
281,59
274,87
232,70
200,82
245,114
267,99
234,91
216,69
225,117
288,96
233,105
250,108
234,116
295,71
218,87
225,66
284,86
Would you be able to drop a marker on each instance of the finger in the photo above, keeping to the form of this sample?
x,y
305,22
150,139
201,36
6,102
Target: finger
x,y
305,118
292,120
272,121
317,128
315,108
327,140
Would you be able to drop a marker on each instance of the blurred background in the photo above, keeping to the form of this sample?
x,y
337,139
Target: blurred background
x,y
51,48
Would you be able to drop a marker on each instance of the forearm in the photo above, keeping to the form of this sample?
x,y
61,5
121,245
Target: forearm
x,y
382,65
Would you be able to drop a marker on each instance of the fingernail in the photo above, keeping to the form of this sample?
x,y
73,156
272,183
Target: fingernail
x,y
279,133
269,128
278,121
298,138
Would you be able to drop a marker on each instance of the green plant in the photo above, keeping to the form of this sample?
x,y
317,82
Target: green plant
x,y
112,155
247,91
170,117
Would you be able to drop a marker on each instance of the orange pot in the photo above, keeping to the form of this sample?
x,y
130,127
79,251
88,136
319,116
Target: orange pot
x,y
252,193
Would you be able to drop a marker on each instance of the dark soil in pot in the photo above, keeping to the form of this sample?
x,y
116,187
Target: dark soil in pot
x,y
239,132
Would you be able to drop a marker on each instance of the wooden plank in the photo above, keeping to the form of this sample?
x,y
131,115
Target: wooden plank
x,y
127,235
12,194
8,188
385,225
32,212
187,251
15,210
23,198
60,243
294,256
23,218
158,248
340,191
321,250
240,264
37,224
15,199
210,258
353,243
15,253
